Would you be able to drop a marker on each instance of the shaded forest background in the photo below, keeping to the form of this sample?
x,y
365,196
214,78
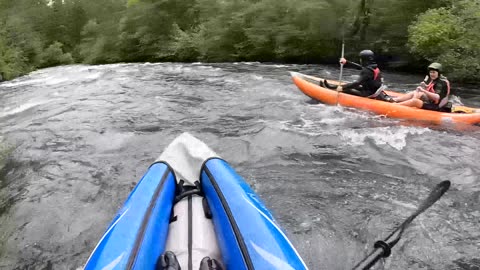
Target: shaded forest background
x,y
404,33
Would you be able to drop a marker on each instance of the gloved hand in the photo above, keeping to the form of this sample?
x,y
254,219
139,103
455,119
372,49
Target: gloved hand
x,y
339,88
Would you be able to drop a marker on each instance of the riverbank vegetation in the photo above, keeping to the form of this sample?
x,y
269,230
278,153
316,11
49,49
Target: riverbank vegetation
x,y
405,34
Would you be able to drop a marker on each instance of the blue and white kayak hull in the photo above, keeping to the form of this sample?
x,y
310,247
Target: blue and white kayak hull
x,y
192,205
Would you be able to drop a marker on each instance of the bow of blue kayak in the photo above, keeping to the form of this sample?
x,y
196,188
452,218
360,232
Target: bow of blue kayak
x,y
191,210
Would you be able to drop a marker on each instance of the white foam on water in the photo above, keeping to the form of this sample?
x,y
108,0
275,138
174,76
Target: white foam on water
x,y
21,81
20,108
232,80
55,80
395,137
404,204
256,77
110,141
246,63
56,76
309,127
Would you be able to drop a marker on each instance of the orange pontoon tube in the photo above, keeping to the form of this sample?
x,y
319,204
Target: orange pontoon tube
x,y
309,86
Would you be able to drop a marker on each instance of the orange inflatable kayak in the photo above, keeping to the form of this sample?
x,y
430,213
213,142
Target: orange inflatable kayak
x,y
310,87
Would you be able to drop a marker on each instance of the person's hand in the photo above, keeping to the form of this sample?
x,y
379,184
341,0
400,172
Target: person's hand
x,y
339,88
343,61
423,85
420,89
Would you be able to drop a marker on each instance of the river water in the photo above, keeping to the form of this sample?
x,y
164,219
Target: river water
x,y
336,179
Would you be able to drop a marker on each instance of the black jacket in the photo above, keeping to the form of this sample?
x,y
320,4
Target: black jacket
x,y
368,82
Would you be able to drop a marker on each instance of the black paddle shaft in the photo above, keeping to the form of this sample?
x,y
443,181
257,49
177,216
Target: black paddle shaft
x,y
383,247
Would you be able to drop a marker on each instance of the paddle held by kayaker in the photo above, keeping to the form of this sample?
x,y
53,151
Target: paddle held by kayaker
x,y
370,82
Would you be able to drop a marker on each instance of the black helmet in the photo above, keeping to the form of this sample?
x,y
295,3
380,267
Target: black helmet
x,y
366,56
435,66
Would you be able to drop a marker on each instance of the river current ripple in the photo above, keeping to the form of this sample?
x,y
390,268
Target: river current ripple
x,y
336,179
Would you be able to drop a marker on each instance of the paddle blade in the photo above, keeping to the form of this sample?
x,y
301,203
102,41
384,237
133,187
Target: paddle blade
x,y
383,248
436,193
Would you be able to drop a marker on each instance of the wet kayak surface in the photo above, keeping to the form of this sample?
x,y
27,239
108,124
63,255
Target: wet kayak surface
x,y
336,179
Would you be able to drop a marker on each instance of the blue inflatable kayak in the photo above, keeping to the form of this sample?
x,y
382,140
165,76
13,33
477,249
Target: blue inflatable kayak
x,y
191,210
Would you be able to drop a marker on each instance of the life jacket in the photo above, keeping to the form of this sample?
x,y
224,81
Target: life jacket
x,y
376,72
431,85
444,100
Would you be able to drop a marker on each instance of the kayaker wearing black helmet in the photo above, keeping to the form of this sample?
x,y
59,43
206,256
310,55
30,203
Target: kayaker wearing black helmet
x,y
370,82
432,94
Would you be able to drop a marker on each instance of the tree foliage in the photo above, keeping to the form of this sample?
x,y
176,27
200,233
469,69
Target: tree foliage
x,y
450,36
39,33
54,55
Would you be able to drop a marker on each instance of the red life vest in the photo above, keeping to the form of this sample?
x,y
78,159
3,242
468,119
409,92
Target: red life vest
x,y
376,72
430,87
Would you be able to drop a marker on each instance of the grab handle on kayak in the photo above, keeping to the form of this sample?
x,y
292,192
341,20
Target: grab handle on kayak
x,y
185,191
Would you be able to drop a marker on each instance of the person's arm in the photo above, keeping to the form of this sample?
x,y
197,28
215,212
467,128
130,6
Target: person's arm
x,y
361,79
425,82
430,95
344,61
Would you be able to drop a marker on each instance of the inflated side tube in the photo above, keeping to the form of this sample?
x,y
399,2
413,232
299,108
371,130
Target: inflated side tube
x,y
137,235
248,235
